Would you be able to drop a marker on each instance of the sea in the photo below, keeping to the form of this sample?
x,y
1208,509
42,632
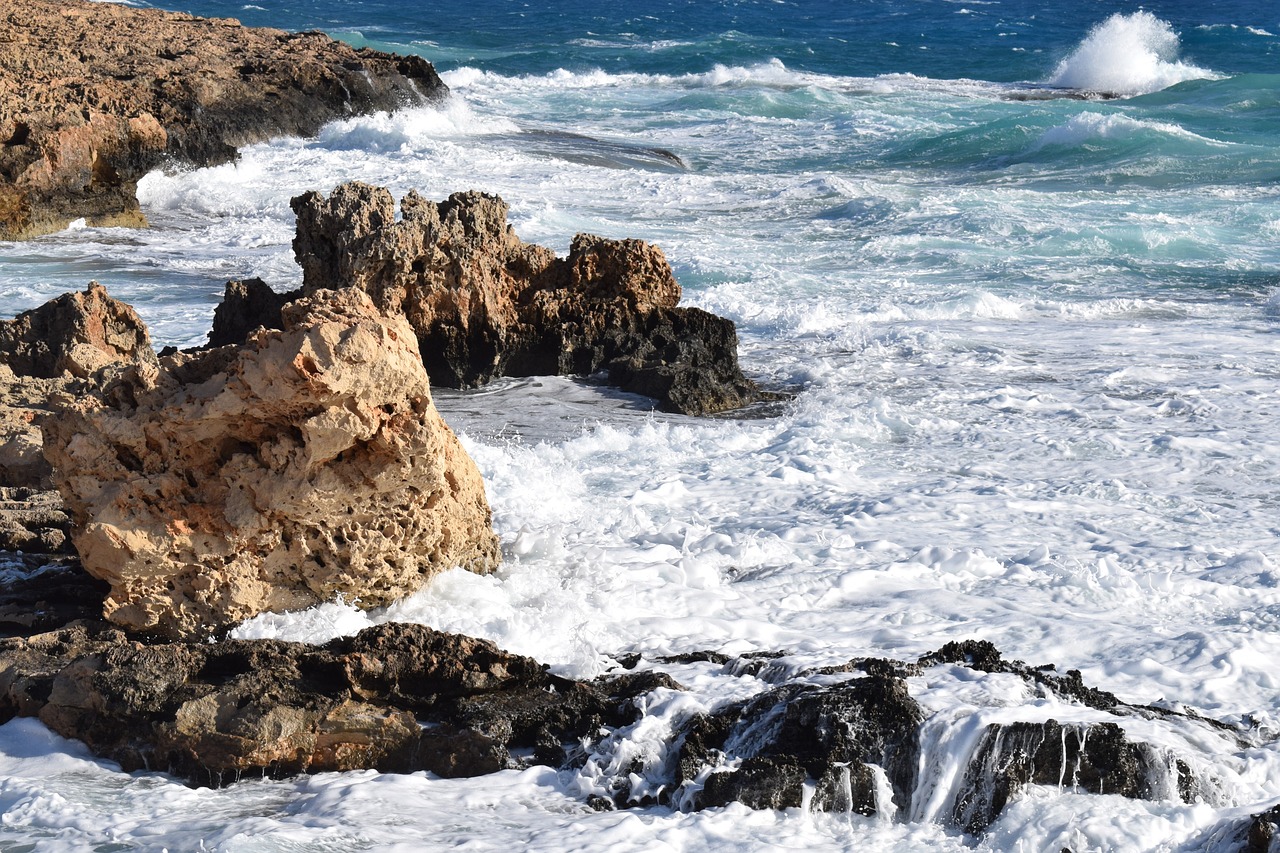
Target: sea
x,y
1018,262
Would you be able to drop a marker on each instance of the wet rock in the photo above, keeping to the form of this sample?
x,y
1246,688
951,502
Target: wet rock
x,y
1263,832
95,95
309,464
985,657
39,593
1097,758
394,697
485,304
828,735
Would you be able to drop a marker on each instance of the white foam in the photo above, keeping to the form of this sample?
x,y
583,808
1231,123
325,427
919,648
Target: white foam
x,y
1127,55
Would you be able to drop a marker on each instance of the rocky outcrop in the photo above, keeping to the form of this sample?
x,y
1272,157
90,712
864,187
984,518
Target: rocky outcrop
x,y
395,697
74,336
64,347
844,738
486,304
247,305
33,520
1097,758
306,465
95,95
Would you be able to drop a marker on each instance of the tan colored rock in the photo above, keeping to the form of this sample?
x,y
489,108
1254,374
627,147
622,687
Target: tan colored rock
x,y
95,95
486,304
308,465
65,347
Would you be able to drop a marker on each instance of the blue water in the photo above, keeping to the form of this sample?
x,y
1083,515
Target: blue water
x,y
1020,260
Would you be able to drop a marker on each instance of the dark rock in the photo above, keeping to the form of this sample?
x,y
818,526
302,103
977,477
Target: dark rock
x,y
33,521
984,657
109,93
1097,758
40,594
1263,831
397,698
247,305
485,304
798,732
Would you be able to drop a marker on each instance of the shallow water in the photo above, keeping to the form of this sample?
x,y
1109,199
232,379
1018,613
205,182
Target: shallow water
x,y
1034,335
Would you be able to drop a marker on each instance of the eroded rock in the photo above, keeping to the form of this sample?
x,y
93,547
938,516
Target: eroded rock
x,y
835,736
66,347
395,697
486,304
95,95
307,465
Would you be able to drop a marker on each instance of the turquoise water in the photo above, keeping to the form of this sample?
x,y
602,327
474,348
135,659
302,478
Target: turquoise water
x,y
1021,263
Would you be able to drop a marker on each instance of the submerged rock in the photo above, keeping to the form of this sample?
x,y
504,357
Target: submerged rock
x,y
398,698
1097,758
95,95
844,738
485,304
307,465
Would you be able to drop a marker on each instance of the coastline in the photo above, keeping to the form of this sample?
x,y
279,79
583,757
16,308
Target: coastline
x,y
144,89
1094,738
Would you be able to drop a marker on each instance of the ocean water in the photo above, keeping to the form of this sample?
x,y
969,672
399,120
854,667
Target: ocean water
x,y
1035,342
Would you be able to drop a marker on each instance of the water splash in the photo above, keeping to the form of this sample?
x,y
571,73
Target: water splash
x,y
1127,55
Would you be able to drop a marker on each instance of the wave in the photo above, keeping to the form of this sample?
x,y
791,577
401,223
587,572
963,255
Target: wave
x,y
1127,55
1093,127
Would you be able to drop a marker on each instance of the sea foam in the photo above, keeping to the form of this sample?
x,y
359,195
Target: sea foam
x,y
1127,55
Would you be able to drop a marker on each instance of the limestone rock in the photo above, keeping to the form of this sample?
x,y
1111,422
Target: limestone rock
x,y
486,304
74,335
95,95
63,347
307,465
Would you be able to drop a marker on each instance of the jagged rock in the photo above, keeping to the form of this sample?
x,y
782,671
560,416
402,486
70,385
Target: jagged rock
x,y
75,335
829,735
63,347
247,305
95,95
1097,758
307,465
40,594
33,521
1263,832
395,697
485,304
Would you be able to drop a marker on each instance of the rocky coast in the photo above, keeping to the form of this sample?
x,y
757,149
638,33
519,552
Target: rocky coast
x,y
298,458
95,95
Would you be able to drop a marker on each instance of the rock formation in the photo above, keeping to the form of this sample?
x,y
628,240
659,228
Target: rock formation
x,y
309,464
797,733
485,304
65,347
395,697
95,95
74,336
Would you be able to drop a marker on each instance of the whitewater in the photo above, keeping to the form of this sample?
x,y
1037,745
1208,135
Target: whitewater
x,y
1020,266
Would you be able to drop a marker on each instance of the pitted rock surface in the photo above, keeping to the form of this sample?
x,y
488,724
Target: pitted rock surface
x,y
307,465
